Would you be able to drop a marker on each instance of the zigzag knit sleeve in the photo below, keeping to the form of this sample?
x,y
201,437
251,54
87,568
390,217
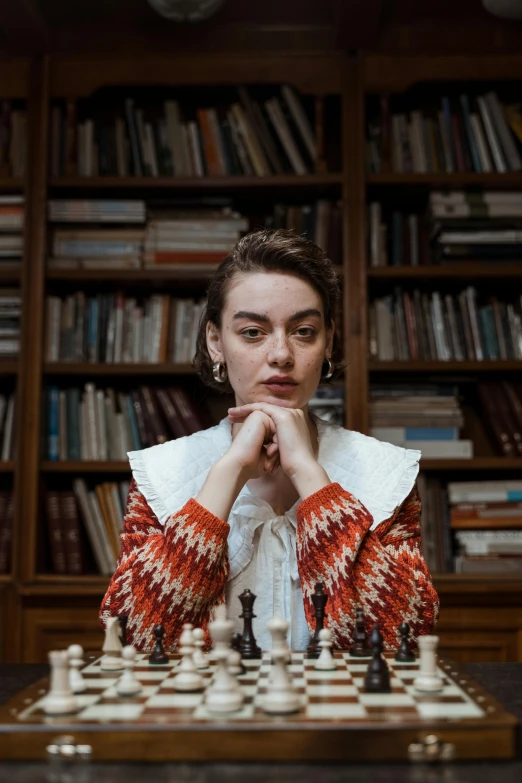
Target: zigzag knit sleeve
x,y
381,570
170,575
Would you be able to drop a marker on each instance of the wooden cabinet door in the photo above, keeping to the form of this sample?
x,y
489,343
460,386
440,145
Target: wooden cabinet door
x,y
55,629
481,634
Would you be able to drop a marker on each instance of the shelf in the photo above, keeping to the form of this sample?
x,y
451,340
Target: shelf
x,y
8,366
6,466
5,579
52,584
85,466
84,368
128,275
457,179
10,275
12,183
452,584
476,463
463,270
197,183
436,366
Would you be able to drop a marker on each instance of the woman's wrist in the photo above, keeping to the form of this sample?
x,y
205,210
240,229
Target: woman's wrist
x,y
310,478
223,484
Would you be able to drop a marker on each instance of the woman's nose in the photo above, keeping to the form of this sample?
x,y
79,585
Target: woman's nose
x,y
280,349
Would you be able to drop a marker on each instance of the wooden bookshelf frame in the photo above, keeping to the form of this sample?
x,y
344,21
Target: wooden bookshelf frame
x,y
41,605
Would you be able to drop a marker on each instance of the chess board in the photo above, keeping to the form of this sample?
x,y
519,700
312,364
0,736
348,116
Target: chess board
x,y
337,719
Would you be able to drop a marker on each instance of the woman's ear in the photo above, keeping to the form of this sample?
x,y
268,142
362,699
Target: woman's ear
x,y
214,342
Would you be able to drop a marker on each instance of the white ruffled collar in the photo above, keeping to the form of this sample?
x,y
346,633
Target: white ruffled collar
x,y
379,474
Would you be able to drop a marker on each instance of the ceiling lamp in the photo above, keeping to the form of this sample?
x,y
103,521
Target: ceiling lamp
x,y
185,10
505,9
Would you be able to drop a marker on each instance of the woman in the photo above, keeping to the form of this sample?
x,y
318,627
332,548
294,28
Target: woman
x,y
273,498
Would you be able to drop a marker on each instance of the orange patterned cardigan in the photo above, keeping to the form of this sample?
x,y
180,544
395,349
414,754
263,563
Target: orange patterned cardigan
x,y
177,573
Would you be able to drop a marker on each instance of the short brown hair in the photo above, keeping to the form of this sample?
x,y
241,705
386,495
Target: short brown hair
x,y
268,251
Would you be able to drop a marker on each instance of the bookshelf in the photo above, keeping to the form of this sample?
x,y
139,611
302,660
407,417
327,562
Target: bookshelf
x,y
52,609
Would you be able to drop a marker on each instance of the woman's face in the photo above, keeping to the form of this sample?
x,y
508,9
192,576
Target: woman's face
x,y
272,325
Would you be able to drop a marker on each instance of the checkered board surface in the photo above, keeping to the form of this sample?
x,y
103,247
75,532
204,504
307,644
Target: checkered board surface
x,y
325,696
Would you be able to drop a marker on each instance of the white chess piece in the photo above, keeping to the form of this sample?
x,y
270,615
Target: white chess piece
x,y
187,679
200,659
326,661
234,663
224,694
281,697
60,699
128,684
428,679
112,647
75,655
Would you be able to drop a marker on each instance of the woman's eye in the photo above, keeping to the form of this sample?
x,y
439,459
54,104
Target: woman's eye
x,y
248,332
306,331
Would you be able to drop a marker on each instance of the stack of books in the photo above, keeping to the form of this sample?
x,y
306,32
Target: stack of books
x,y
114,328
476,226
271,135
469,133
13,140
426,417
85,524
193,240
104,424
400,239
12,210
10,315
486,517
440,327
96,248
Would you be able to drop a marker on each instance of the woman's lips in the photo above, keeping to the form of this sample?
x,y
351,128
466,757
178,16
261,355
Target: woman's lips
x,y
286,387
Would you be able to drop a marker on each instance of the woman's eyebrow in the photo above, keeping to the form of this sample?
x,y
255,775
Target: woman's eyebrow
x,y
311,311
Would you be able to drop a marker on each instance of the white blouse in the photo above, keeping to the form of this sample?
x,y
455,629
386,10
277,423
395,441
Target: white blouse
x,y
262,555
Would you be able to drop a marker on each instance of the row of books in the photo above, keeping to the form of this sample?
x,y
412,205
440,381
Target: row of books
x,y
13,139
85,524
502,415
457,226
472,133
113,328
181,238
10,319
6,530
424,417
417,325
486,521
245,137
104,424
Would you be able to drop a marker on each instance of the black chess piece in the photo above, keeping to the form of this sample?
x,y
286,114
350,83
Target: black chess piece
x,y
404,654
248,645
360,647
319,599
123,620
236,642
158,655
377,678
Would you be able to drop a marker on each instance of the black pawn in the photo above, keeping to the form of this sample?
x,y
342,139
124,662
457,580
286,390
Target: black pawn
x,y
377,678
360,647
404,653
248,645
158,654
319,599
236,642
123,619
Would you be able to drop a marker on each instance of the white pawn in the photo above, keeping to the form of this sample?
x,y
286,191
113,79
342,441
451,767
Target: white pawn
x,y
75,655
224,694
235,665
128,684
200,659
60,699
281,697
428,679
187,679
112,646
326,661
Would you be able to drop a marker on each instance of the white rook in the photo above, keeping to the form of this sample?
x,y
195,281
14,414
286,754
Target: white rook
x,y
60,700
428,679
